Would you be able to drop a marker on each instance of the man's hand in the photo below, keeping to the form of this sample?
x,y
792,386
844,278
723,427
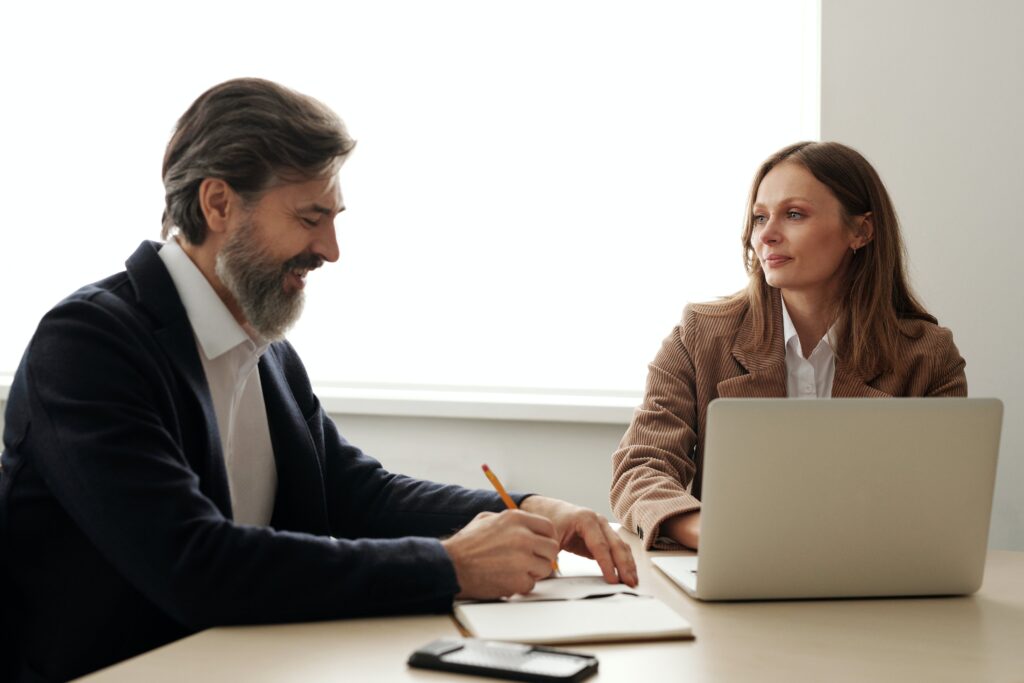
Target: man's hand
x,y
499,554
684,528
587,533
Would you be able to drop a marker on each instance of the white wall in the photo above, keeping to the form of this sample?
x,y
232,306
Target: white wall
x,y
932,92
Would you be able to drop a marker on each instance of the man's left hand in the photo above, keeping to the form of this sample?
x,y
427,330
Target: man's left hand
x,y
587,533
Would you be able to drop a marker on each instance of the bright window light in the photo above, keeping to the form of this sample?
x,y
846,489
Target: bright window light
x,y
538,189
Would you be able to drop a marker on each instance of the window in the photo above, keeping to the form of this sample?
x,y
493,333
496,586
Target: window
x,y
539,187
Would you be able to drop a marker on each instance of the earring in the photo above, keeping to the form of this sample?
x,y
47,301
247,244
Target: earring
x,y
855,251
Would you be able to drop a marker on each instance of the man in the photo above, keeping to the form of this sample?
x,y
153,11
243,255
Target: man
x,y
166,465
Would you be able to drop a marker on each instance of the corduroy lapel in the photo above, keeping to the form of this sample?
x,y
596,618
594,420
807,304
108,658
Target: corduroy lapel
x,y
765,363
849,384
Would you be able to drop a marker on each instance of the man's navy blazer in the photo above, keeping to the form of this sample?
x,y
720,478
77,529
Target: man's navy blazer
x,y
116,530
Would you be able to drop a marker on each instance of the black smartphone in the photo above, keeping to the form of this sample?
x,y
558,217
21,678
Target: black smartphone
x,y
513,661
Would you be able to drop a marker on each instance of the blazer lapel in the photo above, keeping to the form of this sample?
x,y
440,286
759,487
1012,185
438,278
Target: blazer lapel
x,y
157,294
848,384
765,363
300,504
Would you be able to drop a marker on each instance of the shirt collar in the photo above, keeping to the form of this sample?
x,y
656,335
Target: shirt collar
x,y
215,328
789,331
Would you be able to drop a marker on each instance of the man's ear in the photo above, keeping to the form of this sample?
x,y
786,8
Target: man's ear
x,y
217,201
864,230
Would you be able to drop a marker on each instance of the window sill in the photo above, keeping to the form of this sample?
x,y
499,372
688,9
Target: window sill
x,y
480,404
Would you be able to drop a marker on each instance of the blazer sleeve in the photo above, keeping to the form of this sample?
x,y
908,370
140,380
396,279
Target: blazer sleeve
x,y
653,468
947,373
363,499
367,500
97,429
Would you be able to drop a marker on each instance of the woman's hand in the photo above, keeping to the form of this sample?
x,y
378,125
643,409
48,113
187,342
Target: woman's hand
x,y
684,529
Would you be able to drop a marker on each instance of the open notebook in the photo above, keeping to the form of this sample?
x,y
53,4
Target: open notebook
x,y
575,607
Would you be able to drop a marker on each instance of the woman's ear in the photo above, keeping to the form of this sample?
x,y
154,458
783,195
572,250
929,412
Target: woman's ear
x,y
864,229
217,201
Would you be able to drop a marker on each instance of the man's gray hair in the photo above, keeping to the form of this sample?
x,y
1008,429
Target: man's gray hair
x,y
248,132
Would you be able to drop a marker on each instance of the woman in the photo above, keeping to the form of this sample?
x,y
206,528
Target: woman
x,y
828,312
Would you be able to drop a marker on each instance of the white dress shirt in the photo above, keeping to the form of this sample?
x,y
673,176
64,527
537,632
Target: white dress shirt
x,y
809,377
230,354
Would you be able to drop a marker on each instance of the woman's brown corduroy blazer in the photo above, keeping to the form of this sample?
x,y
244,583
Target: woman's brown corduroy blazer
x,y
713,352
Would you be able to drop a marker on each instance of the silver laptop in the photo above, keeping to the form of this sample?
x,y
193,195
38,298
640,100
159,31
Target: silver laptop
x,y
843,498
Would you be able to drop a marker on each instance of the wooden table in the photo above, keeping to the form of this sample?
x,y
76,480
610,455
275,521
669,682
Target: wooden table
x,y
975,638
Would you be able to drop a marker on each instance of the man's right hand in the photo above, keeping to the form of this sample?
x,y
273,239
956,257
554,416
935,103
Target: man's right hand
x,y
499,554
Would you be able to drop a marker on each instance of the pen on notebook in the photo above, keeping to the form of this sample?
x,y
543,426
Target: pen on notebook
x,y
509,503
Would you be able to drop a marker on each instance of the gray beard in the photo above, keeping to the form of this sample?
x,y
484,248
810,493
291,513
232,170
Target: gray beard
x,y
257,283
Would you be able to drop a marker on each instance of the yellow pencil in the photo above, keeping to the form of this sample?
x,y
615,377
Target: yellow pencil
x,y
509,503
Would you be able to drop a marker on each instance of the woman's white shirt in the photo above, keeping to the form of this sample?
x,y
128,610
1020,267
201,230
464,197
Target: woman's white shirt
x,y
809,377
